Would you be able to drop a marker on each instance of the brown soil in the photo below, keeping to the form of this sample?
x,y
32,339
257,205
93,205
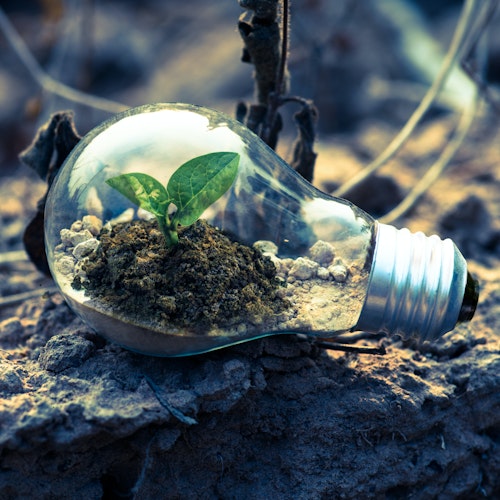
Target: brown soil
x,y
275,418
207,280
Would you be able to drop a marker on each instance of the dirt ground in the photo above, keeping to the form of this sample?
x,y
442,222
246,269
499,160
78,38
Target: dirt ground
x,y
279,417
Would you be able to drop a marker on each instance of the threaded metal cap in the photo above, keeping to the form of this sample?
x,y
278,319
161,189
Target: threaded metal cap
x,y
418,287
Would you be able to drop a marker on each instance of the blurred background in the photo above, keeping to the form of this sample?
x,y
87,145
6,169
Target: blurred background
x,y
366,65
351,57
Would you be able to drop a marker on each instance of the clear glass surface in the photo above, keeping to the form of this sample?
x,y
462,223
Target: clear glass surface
x,y
267,201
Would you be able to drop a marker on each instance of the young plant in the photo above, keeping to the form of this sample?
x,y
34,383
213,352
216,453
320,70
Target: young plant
x,y
192,188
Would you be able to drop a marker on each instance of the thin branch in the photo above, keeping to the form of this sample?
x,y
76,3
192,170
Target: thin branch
x,y
351,348
463,25
436,170
274,101
482,21
405,90
485,90
438,167
174,411
285,37
469,68
46,81
21,297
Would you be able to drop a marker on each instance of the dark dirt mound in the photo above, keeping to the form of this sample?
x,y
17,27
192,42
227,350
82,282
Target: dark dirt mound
x,y
205,280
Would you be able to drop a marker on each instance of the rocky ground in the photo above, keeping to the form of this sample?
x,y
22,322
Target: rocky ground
x,y
275,418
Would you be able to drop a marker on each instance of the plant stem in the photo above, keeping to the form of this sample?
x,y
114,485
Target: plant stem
x,y
172,238
169,231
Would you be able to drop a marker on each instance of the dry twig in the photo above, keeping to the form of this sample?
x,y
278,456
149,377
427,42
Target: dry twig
x,y
469,63
435,171
267,50
456,47
45,81
18,298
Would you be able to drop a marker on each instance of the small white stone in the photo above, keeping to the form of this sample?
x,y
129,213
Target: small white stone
x,y
285,266
80,237
66,235
85,248
92,224
66,265
339,272
76,226
266,246
72,238
323,273
322,252
303,269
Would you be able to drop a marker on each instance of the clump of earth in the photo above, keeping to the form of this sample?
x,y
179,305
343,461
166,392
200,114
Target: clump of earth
x,y
205,280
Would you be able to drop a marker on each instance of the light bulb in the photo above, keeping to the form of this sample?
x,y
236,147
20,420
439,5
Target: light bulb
x,y
337,269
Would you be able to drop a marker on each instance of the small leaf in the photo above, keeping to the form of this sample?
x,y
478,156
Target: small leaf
x,y
143,190
198,183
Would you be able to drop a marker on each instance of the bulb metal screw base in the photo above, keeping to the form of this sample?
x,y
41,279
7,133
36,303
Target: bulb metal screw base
x,y
419,286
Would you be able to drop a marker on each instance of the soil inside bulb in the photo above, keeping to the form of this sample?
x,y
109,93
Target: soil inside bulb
x,y
205,281
208,284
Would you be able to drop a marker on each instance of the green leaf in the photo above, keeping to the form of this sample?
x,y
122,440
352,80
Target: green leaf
x,y
143,190
198,183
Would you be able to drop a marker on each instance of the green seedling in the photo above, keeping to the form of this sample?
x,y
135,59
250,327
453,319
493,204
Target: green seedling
x,y
192,188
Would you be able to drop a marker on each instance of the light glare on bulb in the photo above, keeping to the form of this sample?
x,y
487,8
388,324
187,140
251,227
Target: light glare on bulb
x,y
340,269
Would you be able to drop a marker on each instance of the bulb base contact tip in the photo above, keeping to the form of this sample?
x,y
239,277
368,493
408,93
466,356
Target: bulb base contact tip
x,y
471,297
419,286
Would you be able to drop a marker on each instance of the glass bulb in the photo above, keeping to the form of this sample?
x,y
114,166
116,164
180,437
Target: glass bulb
x,y
334,268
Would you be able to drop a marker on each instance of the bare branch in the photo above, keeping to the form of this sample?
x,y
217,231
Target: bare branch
x,y
285,42
46,81
436,170
261,36
269,53
304,157
465,22
438,167
469,62
380,350
280,87
12,300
